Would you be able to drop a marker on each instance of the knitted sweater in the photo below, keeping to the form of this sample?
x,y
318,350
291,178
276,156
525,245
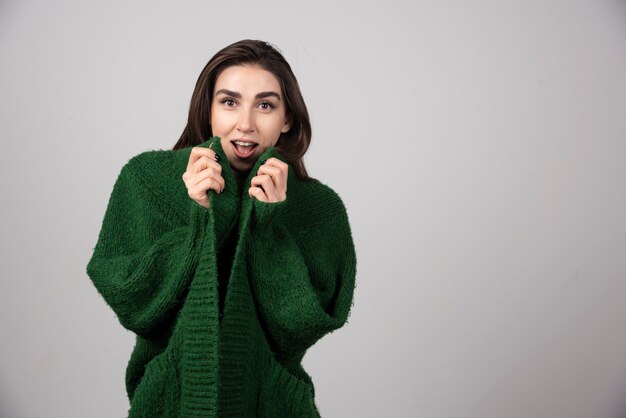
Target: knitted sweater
x,y
291,282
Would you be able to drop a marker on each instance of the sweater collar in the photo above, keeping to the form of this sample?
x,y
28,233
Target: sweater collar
x,y
228,174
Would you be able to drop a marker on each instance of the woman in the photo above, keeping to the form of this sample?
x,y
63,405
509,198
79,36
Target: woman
x,y
228,276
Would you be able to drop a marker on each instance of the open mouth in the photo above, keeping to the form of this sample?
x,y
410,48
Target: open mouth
x,y
243,149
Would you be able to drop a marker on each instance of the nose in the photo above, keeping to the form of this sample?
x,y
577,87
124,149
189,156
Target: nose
x,y
245,124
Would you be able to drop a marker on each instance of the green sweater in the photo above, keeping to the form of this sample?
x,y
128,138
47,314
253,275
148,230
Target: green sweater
x,y
292,280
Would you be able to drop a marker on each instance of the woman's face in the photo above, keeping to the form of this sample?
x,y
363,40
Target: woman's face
x,y
247,113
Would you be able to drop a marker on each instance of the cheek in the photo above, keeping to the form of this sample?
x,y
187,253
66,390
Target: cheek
x,y
272,130
220,120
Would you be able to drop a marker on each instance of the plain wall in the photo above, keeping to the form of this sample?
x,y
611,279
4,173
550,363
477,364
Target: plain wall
x,y
479,148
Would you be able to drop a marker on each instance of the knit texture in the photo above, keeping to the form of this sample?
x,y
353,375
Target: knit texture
x,y
291,281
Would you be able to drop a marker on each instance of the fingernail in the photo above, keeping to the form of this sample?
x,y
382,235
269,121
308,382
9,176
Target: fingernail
x,y
264,161
217,157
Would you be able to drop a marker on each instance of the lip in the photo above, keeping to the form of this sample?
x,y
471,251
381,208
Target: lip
x,y
244,140
242,155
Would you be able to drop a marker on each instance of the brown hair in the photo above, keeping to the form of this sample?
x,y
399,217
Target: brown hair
x,y
292,145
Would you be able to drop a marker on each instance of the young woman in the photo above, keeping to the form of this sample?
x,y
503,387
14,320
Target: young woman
x,y
222,255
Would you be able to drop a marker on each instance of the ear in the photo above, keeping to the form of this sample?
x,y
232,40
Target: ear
x,y
287,124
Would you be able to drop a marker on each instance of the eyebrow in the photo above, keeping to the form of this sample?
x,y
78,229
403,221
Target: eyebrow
x,y
261,95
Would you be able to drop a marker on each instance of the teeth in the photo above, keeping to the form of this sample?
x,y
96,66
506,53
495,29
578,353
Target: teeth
x,y
244,143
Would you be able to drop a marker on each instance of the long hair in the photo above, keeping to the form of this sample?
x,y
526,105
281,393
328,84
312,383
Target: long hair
x,y
292,145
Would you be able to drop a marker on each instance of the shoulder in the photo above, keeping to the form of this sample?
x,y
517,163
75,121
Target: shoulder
x,y
316,203
323,195
155,165
318,221
160,171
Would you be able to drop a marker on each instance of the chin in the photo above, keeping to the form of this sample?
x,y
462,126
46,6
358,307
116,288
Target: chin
x,y
242,168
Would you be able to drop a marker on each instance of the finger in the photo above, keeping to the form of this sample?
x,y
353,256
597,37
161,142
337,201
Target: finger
x,y
193,179
199,193
273,161
217,182
257,193
282,166
204,162
203,187
276,174
201,165
197,153
266,183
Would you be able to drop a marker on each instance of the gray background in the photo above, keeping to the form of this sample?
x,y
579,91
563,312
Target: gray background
x,y
479,147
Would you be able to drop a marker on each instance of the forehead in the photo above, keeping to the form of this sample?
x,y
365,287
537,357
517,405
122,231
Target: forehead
x,y
248,80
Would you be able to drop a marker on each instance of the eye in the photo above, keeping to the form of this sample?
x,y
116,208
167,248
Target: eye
x,y
228,102
266,105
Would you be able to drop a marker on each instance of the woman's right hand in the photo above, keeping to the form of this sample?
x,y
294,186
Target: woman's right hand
x,y
203,173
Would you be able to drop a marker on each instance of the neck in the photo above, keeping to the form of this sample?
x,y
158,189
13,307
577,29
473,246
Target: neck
x,y
241,177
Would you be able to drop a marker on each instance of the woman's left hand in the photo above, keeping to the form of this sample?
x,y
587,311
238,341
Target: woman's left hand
x,y
270,183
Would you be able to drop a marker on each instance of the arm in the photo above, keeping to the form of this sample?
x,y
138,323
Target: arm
x,y
304,286
143,260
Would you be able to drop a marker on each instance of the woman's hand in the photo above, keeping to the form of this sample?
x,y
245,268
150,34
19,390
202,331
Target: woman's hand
x,y
270,183
203,173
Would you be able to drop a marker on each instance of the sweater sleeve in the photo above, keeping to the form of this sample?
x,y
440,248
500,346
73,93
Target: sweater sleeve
x,y
144,258
304,284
